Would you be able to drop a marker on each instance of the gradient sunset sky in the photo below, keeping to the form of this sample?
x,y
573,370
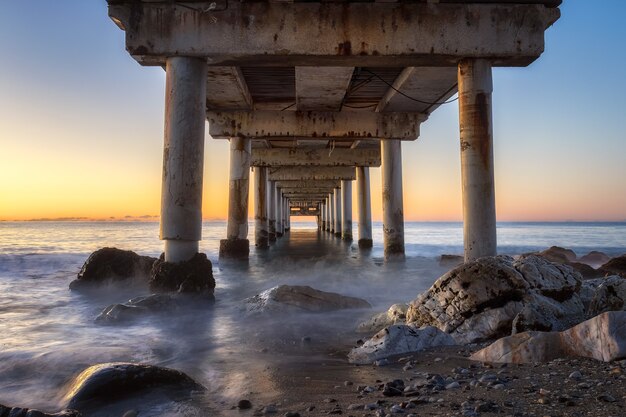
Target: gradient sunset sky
x,y
81,124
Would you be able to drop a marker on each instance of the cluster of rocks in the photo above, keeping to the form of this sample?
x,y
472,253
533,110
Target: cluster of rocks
x,y
592,265
31,412
496,297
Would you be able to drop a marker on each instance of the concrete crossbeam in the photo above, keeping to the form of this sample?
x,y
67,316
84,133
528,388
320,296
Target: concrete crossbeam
x,y
288,191
311,173
327,125
330,184
227,89
321,89
333,34
316,157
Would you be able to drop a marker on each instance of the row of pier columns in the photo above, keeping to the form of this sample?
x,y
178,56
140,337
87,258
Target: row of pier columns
x,y
181,204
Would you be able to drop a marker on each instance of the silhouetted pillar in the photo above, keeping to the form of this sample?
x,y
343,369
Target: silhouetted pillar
x,y
346,215
236,243
183,157
337,197
271,210
393,215
475,118
260,207
331,211
278,195
364,202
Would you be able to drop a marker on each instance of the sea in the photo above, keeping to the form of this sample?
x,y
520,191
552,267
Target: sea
x,y
48,334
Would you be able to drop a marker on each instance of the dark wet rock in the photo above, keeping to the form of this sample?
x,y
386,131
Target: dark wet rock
x,y
480,300
111,264
399,339
594,259
26,412
450,261
286,298
610,295
601,337
105,383
394,388
585,270
192,276
141,307
558,254
616,266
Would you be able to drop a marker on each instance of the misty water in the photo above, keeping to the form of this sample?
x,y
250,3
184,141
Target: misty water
x,y
48,334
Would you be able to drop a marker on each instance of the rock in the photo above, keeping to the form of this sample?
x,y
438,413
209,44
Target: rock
x,y
558,255
285,298
399,339
450,261
480,300
576,375
601,337
139,307
594,259
101,384
585,270
192,276
111,265
396,314
616,266
244,404
610,295
26,412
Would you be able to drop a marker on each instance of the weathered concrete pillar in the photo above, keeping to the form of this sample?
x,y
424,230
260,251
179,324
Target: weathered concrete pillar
x,y
279,211
346,214
477,175
393,214
331,212
260,208
322,217
337,197
288,208
183,157
364,203
285,215
271,210
236,244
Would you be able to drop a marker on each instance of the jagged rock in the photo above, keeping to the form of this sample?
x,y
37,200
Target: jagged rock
x,y
450,261
602,337
107,382
558,254
399,339
616,266
396,314
111,264
595,259
26,412
585,270
192,276
300,298
480,300
139,307
610,295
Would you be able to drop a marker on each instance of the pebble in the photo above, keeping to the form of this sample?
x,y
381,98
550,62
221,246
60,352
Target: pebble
x,y
576,376
355,407
291,414
396,409
269,409
244,404
381,362
606,398
453,385
130,413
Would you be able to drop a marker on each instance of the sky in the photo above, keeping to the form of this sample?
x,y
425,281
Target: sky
x,y
81,125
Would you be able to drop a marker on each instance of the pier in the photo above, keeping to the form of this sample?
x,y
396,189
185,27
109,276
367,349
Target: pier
x,y
312,94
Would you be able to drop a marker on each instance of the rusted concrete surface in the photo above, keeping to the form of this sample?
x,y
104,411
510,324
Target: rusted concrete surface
x,y
311,173
393,210
261,232
346,212
477,174
364,206
315,157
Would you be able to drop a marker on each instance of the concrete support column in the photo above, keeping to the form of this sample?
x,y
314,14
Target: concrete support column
x,y
346,214
331,212
477,174
236,243
364,203
337,197
261,232
279,211
288,211
183,157
393,214
322,217
271,210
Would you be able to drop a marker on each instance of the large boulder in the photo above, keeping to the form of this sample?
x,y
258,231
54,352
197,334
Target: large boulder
x,y
285,298
140,307
397,340
594,259
111,264
610,295
601,337
26,412
103,384
394,315
616,266
194,276
558,254
480,300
